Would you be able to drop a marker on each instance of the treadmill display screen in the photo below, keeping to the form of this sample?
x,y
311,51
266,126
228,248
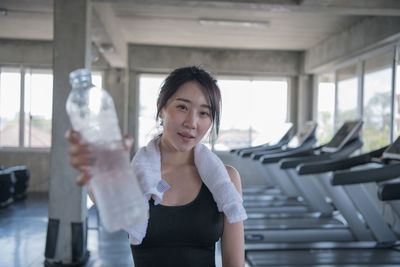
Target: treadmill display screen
x,y
349,130
393,151
305,132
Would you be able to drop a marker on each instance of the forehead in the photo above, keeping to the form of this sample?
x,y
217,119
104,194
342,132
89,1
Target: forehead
x,y
193,92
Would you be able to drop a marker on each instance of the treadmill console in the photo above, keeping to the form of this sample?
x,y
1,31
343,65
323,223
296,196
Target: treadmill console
x,y
393,151
348,131
307,130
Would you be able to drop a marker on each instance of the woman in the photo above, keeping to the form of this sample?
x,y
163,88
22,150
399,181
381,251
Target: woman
x,y
183,229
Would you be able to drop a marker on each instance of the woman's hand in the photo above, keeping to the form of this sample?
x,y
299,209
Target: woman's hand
x,y
82,158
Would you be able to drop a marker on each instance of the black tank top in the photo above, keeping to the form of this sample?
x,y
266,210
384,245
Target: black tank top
x,y
181,235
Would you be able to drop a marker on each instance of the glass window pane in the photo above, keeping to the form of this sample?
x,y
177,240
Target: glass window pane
x,y
97,79
326,107
396,128
149,86
347,90
263,103
38,108
252,112
10,92
377,96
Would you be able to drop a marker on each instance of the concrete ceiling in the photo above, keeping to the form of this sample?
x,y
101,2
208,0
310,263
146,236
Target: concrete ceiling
x,y
295,25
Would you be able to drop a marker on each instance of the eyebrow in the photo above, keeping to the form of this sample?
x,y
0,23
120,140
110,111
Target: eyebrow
x,y
188,101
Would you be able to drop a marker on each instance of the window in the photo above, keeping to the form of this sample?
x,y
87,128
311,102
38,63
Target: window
x,y
97,78
38,108
149,86
252,112
377,100
326,107
10,94
396,123
347,95
34,100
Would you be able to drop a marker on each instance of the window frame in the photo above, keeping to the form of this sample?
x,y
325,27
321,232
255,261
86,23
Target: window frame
x,y
24,69
227,76
266,77
359,61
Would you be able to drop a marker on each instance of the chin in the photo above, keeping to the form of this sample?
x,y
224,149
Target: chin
x,y
186,148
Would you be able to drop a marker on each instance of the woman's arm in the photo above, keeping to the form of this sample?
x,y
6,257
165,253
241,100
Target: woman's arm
x,y
232,241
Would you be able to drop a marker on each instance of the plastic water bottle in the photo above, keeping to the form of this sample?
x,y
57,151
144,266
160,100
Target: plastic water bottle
x,y
117,193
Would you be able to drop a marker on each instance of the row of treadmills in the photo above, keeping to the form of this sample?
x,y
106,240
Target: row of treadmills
x,y
322,206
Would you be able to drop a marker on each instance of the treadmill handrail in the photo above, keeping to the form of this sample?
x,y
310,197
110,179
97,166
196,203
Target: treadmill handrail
x,y
388,172
349,148
336,165
389,191
304,150
247,152
282,141
310,138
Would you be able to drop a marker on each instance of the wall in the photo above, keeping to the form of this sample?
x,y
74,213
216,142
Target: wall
x,y
38,162
360,38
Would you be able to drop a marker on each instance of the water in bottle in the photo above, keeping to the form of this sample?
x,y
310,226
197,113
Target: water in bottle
x,y
116,191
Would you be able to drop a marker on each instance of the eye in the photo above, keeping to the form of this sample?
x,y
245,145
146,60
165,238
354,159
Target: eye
x,y
205,113
182,107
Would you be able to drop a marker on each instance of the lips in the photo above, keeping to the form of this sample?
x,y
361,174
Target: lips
x,y
186,136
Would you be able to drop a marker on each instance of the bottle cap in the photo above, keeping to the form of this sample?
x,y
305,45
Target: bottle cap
x,y
80,77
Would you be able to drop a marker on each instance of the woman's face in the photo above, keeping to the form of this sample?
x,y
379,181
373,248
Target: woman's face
x,y
186,117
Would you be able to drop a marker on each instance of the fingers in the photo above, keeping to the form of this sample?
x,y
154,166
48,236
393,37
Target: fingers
x,y
81,157
79,149
83,179
73,136
82,162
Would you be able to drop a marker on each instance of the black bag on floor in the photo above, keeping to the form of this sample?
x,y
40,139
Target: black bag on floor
x,y
7,187
22,176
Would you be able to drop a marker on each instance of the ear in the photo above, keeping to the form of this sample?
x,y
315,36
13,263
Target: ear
x,y
161,114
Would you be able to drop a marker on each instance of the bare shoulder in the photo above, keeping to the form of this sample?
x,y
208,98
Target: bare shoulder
x,y
235,177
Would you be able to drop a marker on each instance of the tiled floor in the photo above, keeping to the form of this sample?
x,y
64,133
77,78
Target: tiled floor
x,y
23,227
23,232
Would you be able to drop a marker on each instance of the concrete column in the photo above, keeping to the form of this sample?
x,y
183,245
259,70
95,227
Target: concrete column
x,y
116,84
293,102
305,99
133,107
67,229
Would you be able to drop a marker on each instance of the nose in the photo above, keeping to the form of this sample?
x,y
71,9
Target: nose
x,y
190,121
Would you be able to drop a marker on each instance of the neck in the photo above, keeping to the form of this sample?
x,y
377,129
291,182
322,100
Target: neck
x,y
171,156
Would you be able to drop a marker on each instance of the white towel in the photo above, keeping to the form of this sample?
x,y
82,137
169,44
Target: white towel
x,y
147,168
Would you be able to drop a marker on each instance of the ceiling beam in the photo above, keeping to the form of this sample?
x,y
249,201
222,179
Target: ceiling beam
x,y
338,7
107,36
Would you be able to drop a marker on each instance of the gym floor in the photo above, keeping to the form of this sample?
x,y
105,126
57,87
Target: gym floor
x,y
23,227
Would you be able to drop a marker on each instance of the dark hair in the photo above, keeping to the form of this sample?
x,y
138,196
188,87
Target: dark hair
x,y
187,74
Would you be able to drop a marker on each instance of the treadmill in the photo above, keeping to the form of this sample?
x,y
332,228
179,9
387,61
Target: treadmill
x,y
344,142
326,225
371,168
284,138
302,141
236,158
389,191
